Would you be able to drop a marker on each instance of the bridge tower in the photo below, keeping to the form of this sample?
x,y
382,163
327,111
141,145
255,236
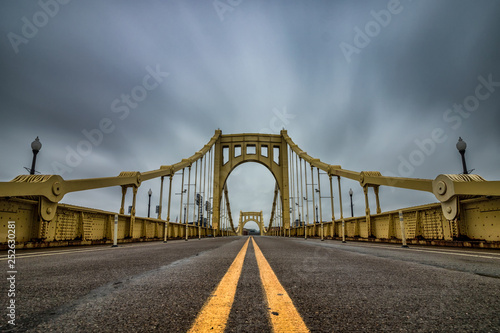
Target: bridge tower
x,y
233,150
251,216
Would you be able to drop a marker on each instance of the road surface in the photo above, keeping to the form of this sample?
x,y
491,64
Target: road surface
x,y
331,287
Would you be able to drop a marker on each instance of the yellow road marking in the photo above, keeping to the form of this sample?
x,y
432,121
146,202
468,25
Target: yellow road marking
x,y
283,314
214,314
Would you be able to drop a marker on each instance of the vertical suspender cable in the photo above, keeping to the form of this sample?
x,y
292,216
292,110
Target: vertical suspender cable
x,y
302,198
313,195
340,198
331,198
161,198
187,203
165,235
296,204
307,197
293,192
195,192
314,201
320,210
204,195
341,211
210,186
200,201
222,227
182,195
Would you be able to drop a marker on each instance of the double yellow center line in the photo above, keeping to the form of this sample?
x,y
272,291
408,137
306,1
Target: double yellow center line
x,y
213,316
215,312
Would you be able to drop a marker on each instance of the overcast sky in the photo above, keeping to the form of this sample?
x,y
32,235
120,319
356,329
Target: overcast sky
x,y
368,85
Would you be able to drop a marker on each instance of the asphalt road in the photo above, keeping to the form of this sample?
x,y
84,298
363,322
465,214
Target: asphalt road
x,y
335,287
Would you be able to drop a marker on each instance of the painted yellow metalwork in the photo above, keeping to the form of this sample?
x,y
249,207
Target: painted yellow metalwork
x,y
73,225
251,216
42,193
478,225
273,209
258,148
228,208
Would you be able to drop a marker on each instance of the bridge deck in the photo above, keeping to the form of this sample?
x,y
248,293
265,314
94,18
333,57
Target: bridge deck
x,y
350,287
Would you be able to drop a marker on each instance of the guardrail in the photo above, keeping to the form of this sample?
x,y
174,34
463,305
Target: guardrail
x,y
73,225
477,226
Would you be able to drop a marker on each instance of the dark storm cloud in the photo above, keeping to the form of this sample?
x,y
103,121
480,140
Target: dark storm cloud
x,y
237,71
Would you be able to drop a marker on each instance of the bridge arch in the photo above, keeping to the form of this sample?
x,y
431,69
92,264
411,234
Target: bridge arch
x,y
232,150
256,217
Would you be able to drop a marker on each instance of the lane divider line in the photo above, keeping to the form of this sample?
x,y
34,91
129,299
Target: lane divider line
x,y
283,314
215,312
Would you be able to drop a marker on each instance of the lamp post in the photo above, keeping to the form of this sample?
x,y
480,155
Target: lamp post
x,y
35,146
149,202
461,146
350,194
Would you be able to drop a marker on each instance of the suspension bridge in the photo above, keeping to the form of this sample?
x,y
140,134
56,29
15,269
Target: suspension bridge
x,y
462,201
317,272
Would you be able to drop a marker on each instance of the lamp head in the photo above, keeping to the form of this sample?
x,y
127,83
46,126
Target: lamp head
x,y
36,145
461,145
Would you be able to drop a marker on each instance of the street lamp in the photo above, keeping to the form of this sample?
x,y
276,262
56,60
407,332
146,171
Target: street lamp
x,y
149,203
35,146
461,146
350,194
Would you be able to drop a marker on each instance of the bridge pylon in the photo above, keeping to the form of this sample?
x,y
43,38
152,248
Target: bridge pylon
x,y
232,150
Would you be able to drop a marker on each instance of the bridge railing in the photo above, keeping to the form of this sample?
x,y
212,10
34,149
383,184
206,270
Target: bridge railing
x,y
74,225
478,226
